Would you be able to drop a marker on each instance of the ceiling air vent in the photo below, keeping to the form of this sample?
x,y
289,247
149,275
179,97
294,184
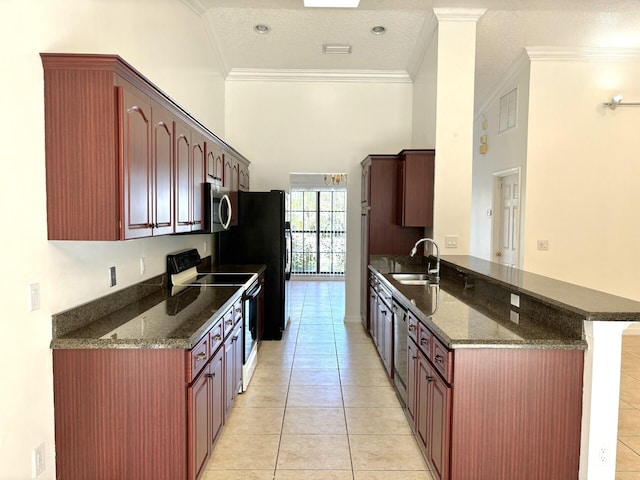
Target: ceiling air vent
x,y
331,49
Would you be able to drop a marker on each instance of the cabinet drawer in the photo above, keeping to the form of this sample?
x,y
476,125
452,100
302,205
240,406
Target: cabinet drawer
x,y
227,323
216,336
424,339
412,326
199,355
442,359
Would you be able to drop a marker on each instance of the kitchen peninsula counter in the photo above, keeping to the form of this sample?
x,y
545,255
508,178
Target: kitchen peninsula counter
x,y
471,306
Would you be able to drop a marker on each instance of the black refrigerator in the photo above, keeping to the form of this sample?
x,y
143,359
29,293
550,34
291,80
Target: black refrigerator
x,y
263,236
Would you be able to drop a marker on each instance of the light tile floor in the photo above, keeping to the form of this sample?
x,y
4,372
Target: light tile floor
x,y
319,406
628,454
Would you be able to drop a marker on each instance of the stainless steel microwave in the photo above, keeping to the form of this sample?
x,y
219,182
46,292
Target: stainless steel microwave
x,y
217,209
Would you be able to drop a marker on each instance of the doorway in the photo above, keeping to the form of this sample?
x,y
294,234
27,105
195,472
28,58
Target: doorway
x,y
506,220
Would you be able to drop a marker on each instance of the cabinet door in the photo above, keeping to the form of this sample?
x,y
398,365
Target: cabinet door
x,y
412,360
162,152
237,357
199,422
423,384
136,163
216,382
215,165
373,314
229,369
439,427
415,188
243,177
227,173
196,196
183,178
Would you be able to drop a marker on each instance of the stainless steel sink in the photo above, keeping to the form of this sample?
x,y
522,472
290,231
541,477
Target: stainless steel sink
x,y
411,278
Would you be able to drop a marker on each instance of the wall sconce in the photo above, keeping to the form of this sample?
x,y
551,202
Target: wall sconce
x,y
616,101
334,178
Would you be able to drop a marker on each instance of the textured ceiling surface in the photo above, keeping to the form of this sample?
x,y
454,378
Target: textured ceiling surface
x,y
508,26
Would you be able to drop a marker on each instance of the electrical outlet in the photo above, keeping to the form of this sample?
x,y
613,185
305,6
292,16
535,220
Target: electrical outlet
x,y
33,297
143,267
204,247
112,276
543,244
602,455
451,241
37,460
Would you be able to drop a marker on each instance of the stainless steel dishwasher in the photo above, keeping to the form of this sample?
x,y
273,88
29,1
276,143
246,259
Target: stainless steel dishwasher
x,y
400,366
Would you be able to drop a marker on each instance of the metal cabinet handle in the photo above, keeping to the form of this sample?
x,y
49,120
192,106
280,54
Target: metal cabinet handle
x,y
201,356
423,341
217,336
210,375
229,322
439,358
429,378
412,327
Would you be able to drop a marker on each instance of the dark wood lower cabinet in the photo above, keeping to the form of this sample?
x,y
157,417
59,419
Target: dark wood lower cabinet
x,y
199,414
134,414
120,414
510,413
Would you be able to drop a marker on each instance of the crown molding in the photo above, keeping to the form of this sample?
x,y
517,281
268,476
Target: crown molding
x,y
300,75
459,14
198,6
425,37
589,54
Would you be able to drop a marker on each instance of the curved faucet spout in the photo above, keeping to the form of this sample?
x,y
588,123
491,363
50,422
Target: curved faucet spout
x,y
434,273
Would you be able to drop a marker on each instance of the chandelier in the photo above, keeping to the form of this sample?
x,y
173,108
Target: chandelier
x,y
334,178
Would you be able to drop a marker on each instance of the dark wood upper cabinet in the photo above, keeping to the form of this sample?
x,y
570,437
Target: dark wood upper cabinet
x,y
416,170
122,159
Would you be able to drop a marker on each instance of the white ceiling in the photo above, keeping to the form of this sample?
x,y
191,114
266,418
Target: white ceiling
x,y
294,45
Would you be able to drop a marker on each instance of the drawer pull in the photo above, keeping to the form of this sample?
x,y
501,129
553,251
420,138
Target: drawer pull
x,y
412,327
210,375
201,356
429,378
217,336
229,322
423,341
439,358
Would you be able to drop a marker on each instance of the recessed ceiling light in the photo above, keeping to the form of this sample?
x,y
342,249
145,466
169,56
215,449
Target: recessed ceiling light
x,y
332,3
261,28
378,30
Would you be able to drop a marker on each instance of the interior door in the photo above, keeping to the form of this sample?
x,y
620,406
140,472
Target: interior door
x,y
507,224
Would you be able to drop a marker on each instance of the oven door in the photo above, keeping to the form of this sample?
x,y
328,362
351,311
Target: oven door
x,y
250,338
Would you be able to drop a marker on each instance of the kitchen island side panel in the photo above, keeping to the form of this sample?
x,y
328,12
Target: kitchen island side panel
x,y
516,413
120,413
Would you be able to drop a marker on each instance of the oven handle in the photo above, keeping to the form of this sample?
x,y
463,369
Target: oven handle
x,y
253,292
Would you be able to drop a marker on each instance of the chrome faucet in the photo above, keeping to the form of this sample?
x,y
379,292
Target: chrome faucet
x,y
433,273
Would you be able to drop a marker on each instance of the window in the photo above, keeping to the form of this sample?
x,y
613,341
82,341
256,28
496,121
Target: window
x,y
508,110
318,232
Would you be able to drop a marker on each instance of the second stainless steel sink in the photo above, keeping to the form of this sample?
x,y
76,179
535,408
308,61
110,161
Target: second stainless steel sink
x,y
411,278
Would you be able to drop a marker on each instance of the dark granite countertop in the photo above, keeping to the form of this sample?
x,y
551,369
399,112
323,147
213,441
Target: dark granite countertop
x,y
466,318
588,303
148,315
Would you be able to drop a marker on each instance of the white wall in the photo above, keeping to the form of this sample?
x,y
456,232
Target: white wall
x,y
179,61
582,174
307,127
424,97
505,150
